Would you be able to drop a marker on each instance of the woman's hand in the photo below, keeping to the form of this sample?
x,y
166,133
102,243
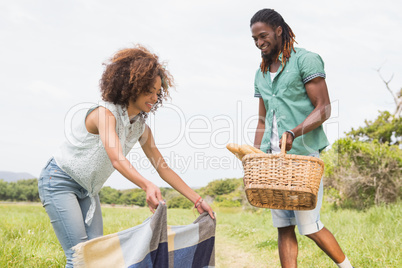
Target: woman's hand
x,y
155,157
154,196
204,207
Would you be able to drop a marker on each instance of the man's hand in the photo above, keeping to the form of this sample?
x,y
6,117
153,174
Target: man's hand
x,y
289,141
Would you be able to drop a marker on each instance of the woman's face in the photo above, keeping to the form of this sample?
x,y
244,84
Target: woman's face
x,y
146,101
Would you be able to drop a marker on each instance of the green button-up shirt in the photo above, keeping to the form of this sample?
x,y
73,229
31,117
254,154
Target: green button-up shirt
x,y
286,96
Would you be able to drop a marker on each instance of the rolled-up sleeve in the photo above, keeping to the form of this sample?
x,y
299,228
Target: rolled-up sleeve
x,y
311,66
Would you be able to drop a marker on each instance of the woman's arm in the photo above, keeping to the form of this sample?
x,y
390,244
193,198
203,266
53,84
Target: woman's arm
x,y
317,92
259,133
167,174
101,121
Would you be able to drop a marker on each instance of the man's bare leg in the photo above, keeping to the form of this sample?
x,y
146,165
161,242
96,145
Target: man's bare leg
x,y
287,246
326,241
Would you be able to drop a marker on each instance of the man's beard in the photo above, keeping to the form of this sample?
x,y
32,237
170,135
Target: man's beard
x,y
272,56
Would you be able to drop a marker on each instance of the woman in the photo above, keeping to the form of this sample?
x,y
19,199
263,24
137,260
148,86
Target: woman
x,y
133,84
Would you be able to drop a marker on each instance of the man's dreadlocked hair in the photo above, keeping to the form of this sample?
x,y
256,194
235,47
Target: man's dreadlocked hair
x,y
274,19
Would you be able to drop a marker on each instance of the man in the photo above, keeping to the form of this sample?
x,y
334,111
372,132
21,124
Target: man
x,y
293,101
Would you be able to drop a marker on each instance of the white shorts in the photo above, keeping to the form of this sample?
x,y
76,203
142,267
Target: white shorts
x,y
307,221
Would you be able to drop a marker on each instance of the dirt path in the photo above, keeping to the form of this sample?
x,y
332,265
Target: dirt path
x,y
230,254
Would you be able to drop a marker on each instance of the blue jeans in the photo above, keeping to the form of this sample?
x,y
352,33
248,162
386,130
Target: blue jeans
x,y
66,202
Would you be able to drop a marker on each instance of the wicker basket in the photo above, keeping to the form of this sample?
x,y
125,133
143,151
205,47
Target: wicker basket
x,y
282,181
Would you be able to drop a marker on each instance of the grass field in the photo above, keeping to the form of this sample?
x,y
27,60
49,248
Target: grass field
x,y
370,238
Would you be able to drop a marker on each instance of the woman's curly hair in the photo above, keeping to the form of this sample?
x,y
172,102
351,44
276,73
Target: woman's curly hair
x,y
132,72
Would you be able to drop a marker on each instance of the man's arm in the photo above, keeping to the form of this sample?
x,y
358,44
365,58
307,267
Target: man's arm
x,y
259,133
317,92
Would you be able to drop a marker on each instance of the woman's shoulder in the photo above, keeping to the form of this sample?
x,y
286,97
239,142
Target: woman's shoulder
x,y
108,105
116,109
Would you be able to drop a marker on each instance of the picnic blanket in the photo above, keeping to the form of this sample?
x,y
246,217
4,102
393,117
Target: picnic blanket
x,y
152,244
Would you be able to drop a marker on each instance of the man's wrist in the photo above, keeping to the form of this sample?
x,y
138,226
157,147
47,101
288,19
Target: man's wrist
x,y
291,133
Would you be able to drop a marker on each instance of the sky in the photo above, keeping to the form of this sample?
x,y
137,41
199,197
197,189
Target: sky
x,y
52,54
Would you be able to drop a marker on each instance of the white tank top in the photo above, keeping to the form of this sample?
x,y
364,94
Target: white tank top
x,y
83,156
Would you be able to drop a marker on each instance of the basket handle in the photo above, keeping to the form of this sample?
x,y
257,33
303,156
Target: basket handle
x,y
283,146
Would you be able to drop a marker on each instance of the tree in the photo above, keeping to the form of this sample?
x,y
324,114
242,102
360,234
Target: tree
x,y
108,195
366,167
22,190
364,173
3,190
220,187
397,96
387,127
179,202
133,197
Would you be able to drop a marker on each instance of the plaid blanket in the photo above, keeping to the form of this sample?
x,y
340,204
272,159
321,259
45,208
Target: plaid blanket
x,y
152,244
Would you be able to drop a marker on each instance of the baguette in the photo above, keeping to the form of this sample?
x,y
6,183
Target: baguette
x,y
245,149
235,149
255,150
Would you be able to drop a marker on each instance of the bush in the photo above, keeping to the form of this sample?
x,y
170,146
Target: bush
x,y
223,201
179,202
22,190
364,173
135,197
108,195
383,128
221,187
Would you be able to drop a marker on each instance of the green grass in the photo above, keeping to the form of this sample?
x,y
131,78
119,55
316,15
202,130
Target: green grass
x,y
370,238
